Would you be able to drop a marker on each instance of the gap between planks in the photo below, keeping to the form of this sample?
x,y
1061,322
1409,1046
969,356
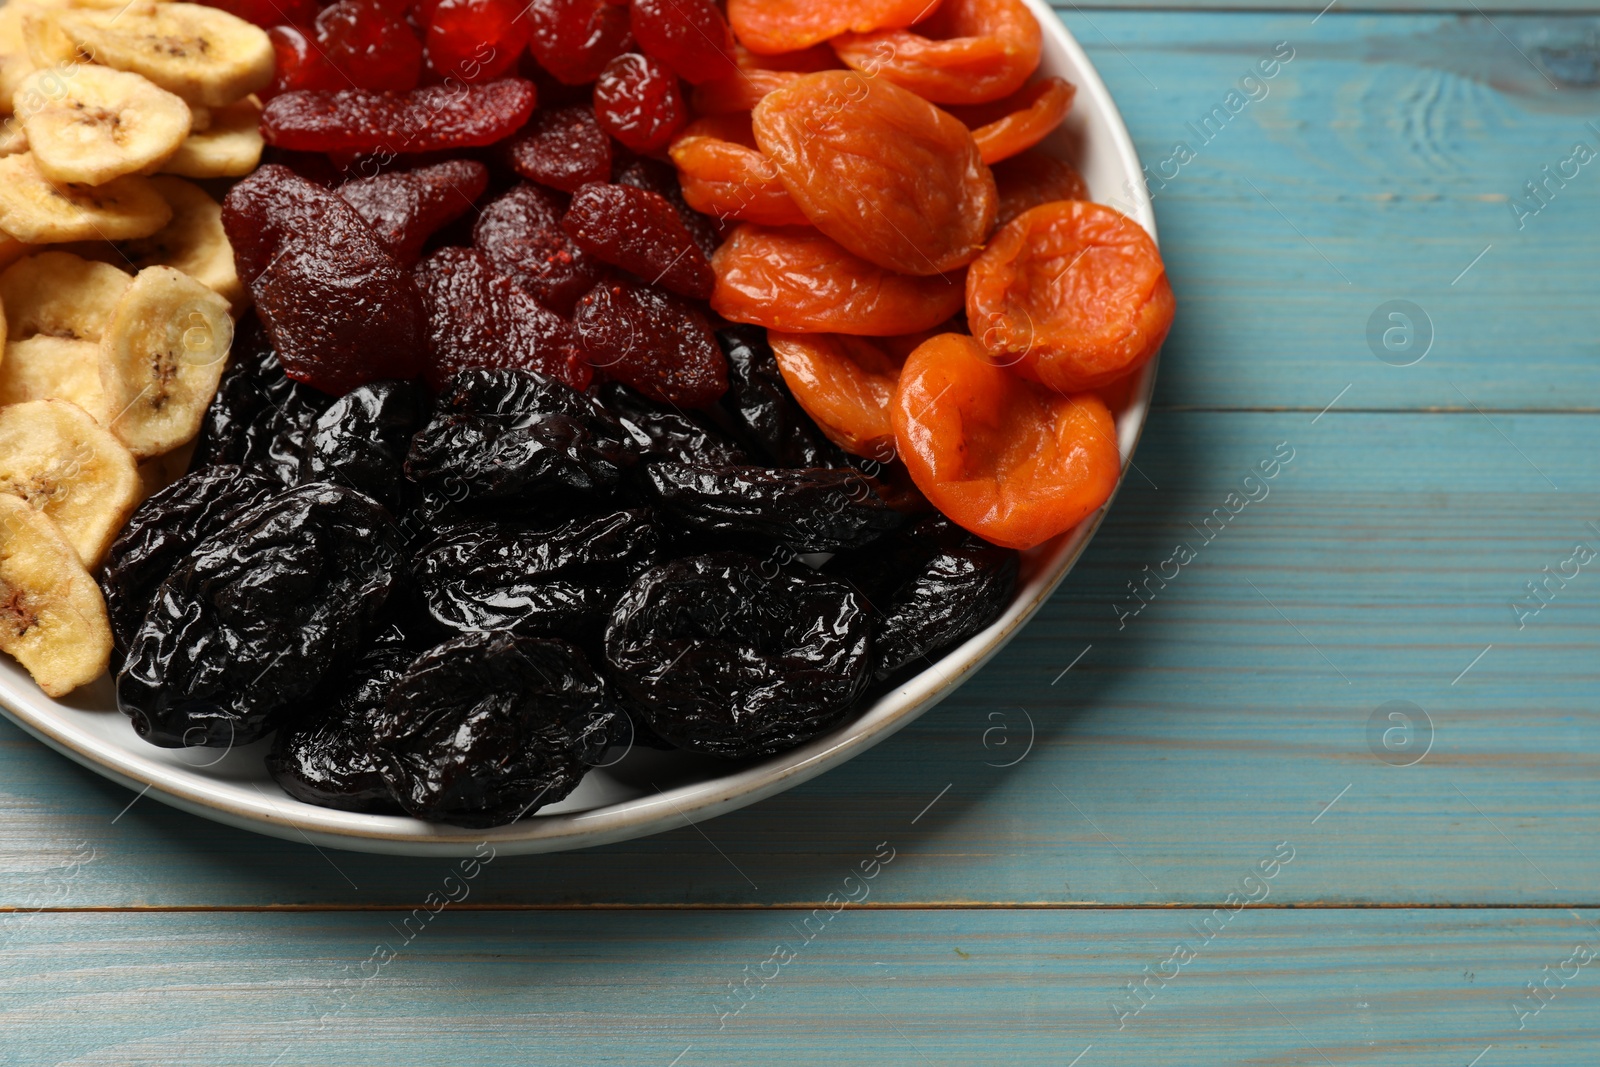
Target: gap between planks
x,y
1042,905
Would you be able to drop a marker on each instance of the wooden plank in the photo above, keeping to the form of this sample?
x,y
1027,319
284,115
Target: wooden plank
x,y
1427,989
1179,747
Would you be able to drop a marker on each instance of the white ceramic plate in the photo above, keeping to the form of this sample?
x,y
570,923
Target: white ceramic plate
x,y
645,791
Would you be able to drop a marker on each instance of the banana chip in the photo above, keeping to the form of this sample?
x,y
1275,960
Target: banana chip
x,y
35,210
89,124
61,295
46,43
52,615
229,147
54,368
12,137
204,55
194,241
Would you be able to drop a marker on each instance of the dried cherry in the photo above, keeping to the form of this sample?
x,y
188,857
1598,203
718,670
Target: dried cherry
x,y
690,36
471,41
810,510
724,174
1033,178
300,64
564,148
845,384
520,234
433,118
361,441
637,101
967,52
370,45
658,343
405,208
771,27
641,232
575,39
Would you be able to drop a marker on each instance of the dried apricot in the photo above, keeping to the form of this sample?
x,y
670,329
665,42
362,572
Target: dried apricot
x,y
755,76
1035,178
880,170
1009,461
1074,294
968,52
797,280
724,174
1020,121
845,384
774,26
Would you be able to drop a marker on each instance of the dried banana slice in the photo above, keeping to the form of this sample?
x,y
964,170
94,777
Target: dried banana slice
x,y
61,295
12,249
54,368
52,615
13,139
61,462
230,147
89,124
14,70
35,210
206,56
161,357
46,43
194,241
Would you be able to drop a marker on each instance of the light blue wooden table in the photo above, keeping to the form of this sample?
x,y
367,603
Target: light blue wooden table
x,y
1207,855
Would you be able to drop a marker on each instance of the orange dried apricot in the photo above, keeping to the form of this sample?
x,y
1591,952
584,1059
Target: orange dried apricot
x,y
757,76
1073,294
879,169
797,280
1008,127
968,52
845,384
1009,461
774,26
723,173
1034,178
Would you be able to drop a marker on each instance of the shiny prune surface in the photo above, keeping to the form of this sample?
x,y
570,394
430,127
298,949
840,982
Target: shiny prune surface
x,y
487,728
361,441
520,233
818,509
760,405
728,655
257,616
655,341
640,232
666,434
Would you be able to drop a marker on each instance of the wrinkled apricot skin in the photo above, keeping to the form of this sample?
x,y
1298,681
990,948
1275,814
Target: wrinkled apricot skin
x,y
724,175
1072,294
1009,461
771,27
1034,178
880,170
1030,117
796,280
845,384
756,76
969,52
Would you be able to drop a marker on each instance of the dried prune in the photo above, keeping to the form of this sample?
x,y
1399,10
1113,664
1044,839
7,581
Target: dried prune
x,y
724,174
967,52
726,655
799,281
162,533
558,581
575,39
433,118
256,617
760,405
479,318
1033,178
654,341
405,208
520,233
499,437
775,26
690,36
487,728
340,308
473,41
845,384
880,170
929,586
662,434
818,509
637,101
564,148
369,46
640,232
361,441
660,178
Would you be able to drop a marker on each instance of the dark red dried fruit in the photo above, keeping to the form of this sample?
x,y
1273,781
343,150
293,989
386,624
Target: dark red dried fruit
x,y
300,64
371,47
520,234
637,101
405,208
563,148
265,13
656,342
340,308
473,41
430,119
575,39
661,178
639,231
478,318
690,36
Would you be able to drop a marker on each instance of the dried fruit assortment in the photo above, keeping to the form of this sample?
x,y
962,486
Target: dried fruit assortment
x,y
481,456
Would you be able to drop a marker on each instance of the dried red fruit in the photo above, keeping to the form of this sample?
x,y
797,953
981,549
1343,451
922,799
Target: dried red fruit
x,y
267,13
473,41
520,234
430,119
300,64
369,45
575,39
340,308
655,342
637,101
640,232
659,178
563,148
479,318
405,208
690,36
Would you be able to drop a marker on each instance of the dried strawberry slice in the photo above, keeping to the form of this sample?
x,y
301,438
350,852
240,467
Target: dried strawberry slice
x,y
405,208
575,39
563,148
520,233
478,318
430,119
640,232
661,178
656,342
340,308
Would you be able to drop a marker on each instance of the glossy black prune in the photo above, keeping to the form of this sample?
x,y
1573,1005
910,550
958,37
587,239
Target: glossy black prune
x,y
929,586
560,582
729,655
810,510
663,433
762,408
499,437
361,441
162,533
256,617
489,727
